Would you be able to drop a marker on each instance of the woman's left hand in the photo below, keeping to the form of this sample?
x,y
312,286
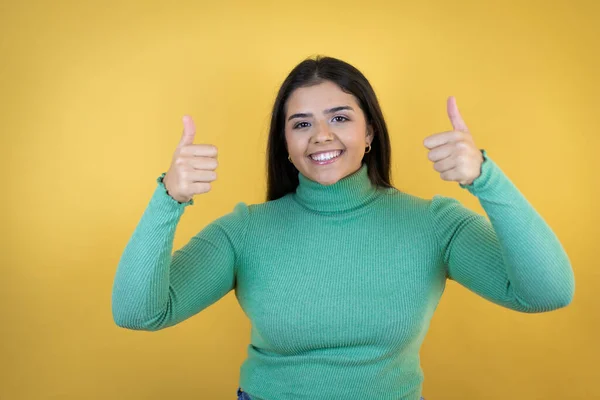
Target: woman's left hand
x,y
454,153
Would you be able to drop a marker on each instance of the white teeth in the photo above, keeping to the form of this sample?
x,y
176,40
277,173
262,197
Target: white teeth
x,y
326,156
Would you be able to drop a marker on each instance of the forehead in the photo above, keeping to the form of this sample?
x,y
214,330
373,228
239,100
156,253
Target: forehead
x,y
319,97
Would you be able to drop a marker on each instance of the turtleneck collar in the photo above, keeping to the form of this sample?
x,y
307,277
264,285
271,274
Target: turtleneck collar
x,y
346,194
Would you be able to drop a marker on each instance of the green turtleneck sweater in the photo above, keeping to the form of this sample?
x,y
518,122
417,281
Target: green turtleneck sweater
x,y
340,282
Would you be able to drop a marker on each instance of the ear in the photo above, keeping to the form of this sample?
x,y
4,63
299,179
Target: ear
x,y
370,134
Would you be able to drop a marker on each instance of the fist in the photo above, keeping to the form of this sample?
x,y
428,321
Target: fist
x,y
454,153
192,167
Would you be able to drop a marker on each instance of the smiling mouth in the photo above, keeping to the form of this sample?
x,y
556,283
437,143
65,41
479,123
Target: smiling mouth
x,y
326,157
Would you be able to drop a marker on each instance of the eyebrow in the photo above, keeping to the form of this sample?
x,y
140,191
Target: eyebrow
x,y
329,111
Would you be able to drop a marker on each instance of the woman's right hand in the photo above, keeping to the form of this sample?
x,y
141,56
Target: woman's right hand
x,y
193,166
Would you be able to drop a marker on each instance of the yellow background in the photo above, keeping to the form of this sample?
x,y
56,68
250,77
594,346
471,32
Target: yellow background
x,y
92,95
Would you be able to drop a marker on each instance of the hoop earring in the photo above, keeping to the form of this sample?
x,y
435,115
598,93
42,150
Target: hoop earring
x,y
369,149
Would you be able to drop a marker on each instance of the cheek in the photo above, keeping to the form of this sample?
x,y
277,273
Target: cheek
x,y
354,134
356,140
293,144
288,141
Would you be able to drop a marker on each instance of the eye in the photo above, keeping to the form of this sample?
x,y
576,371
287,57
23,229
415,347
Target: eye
x,y
342,118
300,123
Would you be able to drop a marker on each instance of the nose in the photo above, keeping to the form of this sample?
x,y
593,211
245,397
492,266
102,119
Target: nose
x,y
322,133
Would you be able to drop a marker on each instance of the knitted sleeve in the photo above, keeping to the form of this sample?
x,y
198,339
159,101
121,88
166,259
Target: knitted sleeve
x,y
513,259
154,289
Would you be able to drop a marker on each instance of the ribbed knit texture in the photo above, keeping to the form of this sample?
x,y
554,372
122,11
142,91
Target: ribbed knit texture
x,y
340,282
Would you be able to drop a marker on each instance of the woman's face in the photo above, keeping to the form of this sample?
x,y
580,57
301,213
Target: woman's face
x,y
324,120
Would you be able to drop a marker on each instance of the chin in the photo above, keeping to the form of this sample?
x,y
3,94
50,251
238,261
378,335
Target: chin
x,y
327,175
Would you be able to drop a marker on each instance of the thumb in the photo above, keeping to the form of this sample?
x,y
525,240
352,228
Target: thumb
x,y
457,122
189,131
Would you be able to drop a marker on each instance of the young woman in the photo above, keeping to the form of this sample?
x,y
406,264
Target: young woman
x,y
338,271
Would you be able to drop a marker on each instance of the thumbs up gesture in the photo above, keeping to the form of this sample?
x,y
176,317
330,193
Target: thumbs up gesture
x,y
454,153
193,166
